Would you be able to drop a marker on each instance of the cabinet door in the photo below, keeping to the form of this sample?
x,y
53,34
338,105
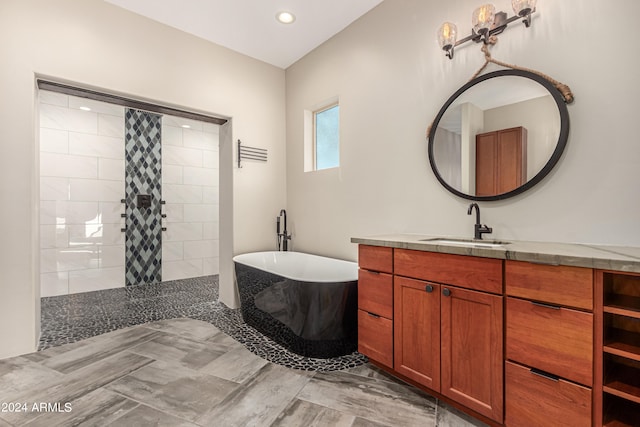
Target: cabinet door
x,y
511,172
417,331
486,163
471,356
501,161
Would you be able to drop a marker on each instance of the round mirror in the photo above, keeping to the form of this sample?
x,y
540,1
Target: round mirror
x,y
498,135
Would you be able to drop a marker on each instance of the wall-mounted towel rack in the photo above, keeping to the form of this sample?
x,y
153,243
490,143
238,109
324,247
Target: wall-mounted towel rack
x,y
250,153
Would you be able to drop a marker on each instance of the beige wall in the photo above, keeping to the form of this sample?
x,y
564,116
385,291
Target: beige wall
x,y
392,79
92,43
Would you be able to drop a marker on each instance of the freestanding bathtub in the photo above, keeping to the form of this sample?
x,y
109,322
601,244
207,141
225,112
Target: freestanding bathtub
x,y
307,303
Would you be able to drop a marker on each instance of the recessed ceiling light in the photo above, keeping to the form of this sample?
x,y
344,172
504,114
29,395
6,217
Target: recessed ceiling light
x,y
285,17
85,108
186,126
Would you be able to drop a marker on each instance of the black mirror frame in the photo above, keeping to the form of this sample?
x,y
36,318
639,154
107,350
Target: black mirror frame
x,y
557,153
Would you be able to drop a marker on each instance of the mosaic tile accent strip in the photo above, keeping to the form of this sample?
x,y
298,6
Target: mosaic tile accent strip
x,y
143,178
71,318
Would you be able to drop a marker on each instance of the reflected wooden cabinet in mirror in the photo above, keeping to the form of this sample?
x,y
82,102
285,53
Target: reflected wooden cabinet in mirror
x,y
501,161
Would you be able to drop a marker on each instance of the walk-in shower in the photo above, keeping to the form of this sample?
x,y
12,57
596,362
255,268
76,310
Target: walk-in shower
x,y
127,196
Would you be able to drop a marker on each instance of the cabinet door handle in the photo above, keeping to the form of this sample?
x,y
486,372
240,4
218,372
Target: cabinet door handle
x,y
539,304
373,315
446,292
428,288
544,374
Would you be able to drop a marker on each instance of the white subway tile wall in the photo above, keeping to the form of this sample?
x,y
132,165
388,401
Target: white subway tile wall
x,y
82,179
81,184
190,189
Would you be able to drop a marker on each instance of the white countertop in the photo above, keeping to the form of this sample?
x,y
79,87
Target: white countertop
x,y
619,258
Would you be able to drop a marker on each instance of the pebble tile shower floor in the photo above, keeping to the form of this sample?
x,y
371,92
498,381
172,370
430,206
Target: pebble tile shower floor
x,y
71,318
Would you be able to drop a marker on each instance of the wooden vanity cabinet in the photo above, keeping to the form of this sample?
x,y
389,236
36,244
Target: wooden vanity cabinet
x,y
549,346
446,337
512,342
375,303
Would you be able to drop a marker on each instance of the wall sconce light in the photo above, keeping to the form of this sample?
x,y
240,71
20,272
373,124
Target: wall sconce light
x,y
486,23
447,37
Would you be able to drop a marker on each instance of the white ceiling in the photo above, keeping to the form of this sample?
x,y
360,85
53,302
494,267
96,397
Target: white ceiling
x,y
250,26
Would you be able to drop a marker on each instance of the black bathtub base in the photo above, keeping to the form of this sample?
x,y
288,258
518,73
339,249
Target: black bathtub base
x,y
320,320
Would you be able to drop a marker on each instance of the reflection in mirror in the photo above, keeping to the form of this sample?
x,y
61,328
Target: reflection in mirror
x,y
497,135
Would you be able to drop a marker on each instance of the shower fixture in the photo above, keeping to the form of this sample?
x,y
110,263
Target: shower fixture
x,y
283,237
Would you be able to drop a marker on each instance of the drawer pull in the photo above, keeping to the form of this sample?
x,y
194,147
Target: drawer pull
x,y
373,272
539,304
446,292
428,289
373,315
544,374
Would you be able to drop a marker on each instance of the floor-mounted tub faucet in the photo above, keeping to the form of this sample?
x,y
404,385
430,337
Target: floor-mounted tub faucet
x,y
284,237
478,229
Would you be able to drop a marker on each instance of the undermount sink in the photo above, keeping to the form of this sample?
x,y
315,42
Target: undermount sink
x,y
467,242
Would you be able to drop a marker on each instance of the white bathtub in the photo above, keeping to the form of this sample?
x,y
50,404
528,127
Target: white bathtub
x,y
300,266
307,303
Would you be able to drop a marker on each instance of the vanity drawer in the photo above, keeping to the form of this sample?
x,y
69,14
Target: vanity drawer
x,y
483,274
533,400
553,339
375,337
376,258
562,285
375,293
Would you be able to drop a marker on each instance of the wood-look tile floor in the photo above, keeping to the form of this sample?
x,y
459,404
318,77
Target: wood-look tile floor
x,y
186,372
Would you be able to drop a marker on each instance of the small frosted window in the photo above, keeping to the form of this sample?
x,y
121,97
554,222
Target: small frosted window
x,y
327,138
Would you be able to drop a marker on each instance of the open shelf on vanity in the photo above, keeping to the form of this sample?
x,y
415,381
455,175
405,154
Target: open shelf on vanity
x,y
620,356
623,305
622,343
619,412
622,378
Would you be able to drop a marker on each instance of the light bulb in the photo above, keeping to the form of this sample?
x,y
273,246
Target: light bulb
x,y
447,34
482,18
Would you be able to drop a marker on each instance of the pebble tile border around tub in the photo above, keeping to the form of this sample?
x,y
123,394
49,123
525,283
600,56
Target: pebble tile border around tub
x,y
71,318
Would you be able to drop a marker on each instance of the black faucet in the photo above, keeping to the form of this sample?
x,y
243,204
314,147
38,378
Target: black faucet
x,y
283,237
479,229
